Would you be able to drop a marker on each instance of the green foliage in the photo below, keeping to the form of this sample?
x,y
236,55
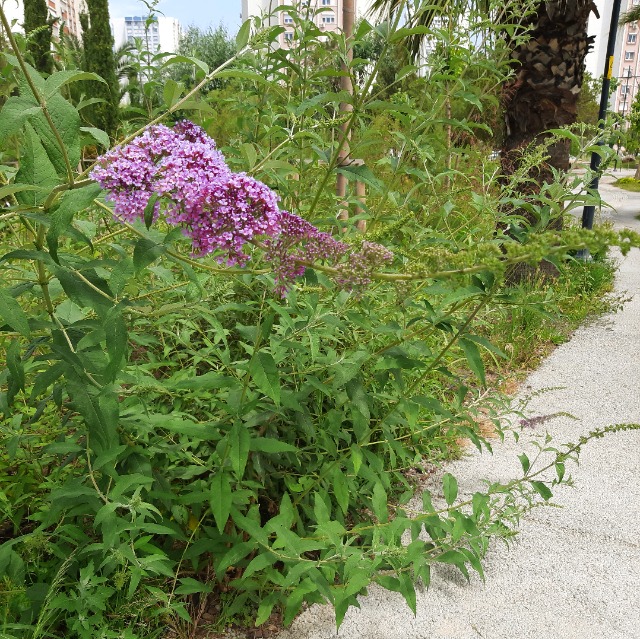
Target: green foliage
x,y
38,28
589,100
212,46
628,184
174,436
98,56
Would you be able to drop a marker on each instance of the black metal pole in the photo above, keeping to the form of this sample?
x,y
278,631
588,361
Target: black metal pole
x,y
589,211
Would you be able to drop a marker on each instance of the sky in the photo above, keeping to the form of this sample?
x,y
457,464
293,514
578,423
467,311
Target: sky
x,y
202,13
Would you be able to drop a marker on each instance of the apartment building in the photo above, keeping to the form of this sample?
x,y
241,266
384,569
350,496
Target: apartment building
x,y
67,11
626,59
627,64
327,14
161,34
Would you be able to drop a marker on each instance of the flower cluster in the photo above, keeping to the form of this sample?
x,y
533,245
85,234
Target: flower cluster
x,y
221,211
297,245
356,272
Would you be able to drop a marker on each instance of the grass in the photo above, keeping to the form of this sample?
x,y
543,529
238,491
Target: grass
x,y
546,314
628,184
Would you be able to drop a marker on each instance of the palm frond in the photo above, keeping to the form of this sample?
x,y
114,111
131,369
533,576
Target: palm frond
x,y
633,15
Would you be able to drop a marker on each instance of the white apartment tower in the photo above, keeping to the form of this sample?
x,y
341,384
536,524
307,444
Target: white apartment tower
x,y
626,59
327,14
626,64
161,34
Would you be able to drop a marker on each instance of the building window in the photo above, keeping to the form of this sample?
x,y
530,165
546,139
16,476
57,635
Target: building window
x,y
288,20
629,55
329,19
288,36
631,38
624,89
326,3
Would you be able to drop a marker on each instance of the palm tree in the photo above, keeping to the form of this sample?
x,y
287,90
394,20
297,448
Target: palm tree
x,y
549,70
633,15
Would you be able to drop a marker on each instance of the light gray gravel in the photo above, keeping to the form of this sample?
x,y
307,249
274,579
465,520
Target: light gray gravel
x,y
575,571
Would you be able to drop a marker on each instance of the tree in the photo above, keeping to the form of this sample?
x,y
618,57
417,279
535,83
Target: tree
x,y
549,76
213,46
99,57
38,28
549,71
589,99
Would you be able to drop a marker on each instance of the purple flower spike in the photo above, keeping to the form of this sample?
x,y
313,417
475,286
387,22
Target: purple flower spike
x,y
221,211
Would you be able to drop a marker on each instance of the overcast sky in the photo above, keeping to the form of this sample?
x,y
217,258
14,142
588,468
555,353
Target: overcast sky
x,y
202,13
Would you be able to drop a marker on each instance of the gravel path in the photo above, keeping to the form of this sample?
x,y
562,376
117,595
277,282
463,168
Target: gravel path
x,y
575,571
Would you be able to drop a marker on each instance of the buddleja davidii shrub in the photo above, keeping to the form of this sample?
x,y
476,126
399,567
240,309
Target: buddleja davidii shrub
x,y
112,488
298,436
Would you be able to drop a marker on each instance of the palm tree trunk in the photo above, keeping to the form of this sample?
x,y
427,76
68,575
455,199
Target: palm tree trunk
x,y
544,94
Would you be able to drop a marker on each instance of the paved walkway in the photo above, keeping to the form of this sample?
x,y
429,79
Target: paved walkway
x,y
575,571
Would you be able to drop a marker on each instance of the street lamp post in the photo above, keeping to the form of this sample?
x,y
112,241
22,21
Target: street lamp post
x,y
588,212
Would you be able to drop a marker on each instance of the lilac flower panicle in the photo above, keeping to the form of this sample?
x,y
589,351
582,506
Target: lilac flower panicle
x,y
218,210
357,271
299,242
221,211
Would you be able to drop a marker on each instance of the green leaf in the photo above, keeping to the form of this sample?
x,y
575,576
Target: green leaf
x,y
270,445
242,39
236,554
35,169
471,98
190,586
61,78
524,461
72,202
455,558
146,252
149,210
379,503
360,173
81,293
172,92
264,372
258,563
120,275
266,608
15,113
16,370
450,488
340,489
97,134
115,330
239,440
208,381
11,189
482,341
220,499
473,358
11,312
176,59
100,412
67,122
356,458
542,489
406,32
